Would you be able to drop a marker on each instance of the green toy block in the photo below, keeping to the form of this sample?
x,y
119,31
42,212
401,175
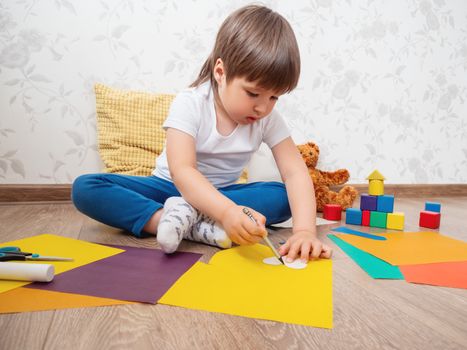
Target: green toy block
x,y
378,219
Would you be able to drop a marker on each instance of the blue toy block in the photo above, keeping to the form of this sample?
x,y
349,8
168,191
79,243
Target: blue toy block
x,y
433,206
385,204
368,202
353,216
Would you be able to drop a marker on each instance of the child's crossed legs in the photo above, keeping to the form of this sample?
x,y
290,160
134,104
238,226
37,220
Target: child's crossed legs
x,y
134,203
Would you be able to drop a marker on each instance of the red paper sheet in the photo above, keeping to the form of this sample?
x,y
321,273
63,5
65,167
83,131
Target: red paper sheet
x,y
447,274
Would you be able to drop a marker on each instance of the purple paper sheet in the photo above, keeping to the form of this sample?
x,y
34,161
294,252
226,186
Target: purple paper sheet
x,y
137,274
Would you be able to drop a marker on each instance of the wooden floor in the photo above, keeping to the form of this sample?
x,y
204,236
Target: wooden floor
x,y
368,313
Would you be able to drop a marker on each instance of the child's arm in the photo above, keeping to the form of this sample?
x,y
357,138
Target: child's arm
x,y
304,241
199,192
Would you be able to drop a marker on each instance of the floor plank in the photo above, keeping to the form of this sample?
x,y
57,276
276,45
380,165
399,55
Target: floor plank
x,y
368,313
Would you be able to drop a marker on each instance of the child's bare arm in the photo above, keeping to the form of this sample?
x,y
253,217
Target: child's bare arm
x,y
304,242
199,192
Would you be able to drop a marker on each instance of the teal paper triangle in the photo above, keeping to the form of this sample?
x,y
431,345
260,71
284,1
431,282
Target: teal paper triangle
x,y
372,265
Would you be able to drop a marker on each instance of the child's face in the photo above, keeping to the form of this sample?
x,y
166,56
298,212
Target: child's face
x,y
245,102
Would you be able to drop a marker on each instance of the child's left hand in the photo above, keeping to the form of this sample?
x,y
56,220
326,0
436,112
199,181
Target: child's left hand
x,y
306,246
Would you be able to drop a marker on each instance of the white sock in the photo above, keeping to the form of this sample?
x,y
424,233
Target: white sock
x,y
207,231
176,221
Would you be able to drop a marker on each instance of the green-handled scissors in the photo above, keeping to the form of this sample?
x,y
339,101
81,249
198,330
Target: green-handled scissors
x,y
15,253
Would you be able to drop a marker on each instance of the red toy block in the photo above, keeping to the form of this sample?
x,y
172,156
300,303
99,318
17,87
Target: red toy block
x,y
429,219
365,218
332,212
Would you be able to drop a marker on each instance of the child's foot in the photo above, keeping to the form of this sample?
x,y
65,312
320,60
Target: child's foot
x,y
176,222
207,231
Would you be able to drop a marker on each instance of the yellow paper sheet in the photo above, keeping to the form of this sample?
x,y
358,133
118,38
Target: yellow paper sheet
x,y
237,282
26,299
51,245
407,248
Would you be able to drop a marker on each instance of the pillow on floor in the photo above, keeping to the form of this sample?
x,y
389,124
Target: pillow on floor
x,y
262,166
129,125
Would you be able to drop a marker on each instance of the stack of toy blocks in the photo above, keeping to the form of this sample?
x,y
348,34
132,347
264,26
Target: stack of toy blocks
x,y
431,216
376,208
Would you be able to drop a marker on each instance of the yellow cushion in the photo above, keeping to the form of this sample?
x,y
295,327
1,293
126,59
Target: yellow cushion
x,y
129,125
243,178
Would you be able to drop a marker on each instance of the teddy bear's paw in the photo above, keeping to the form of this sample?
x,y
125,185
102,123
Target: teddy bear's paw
x,y
338,177
347,196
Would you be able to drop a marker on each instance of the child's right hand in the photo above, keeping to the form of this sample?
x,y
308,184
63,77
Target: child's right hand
x,y
240,228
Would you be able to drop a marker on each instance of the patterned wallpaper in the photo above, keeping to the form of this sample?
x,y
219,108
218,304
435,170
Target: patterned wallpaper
x,y
383,85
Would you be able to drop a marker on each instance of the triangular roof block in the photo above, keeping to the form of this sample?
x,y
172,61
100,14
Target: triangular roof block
x,y
375,175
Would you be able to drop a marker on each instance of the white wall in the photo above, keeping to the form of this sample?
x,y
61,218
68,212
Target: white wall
x,y
383,83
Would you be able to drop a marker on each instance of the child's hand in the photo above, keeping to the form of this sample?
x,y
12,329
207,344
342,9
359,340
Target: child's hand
x,y
240,228
306,245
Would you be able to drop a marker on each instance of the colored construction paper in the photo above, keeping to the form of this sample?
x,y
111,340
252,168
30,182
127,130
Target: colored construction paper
x,y
373,266
51,245
137,274
237,282
448,274
26,299
408,248
288,223
344,229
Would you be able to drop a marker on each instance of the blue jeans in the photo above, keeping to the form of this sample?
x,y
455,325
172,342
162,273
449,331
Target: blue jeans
x,y
128,202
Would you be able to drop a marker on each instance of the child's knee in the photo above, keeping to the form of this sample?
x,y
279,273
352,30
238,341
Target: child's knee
x,y
81,189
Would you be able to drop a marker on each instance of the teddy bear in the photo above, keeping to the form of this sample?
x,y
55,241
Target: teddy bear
x,y
323,179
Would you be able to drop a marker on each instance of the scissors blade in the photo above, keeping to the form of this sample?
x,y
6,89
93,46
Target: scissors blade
x,y
47,258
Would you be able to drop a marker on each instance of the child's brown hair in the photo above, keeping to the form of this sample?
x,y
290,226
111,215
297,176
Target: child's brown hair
x,y
257,44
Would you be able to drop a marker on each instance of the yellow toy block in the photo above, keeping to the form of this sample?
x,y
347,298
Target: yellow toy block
x,y
395,221
376,188
376,183
376,175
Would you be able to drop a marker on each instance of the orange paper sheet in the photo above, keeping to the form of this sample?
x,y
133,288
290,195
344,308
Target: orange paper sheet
x,y
51,245
408,248
449,274
25,299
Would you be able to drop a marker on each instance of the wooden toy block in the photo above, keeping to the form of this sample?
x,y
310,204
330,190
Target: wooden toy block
x,y
433,206
353,216
376,175
366,218
368,202
376,183
332,212
378,219
376,188
429,219
395,221
385,203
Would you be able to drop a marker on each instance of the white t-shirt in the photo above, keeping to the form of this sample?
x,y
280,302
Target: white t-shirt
x,y
221,159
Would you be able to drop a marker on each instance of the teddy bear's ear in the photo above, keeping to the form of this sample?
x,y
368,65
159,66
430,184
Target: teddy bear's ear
x,y
313,145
